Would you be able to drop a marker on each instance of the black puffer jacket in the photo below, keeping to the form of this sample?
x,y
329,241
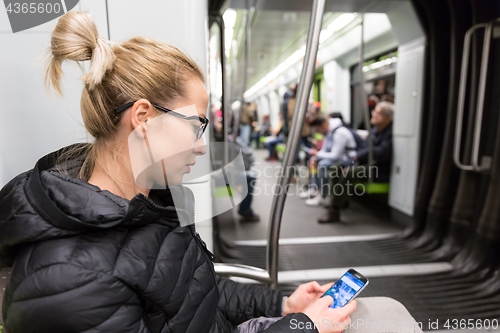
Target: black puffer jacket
x,y
86,260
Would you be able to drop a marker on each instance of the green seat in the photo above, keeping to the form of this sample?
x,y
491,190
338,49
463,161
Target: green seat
x,y
280,147
318,136
375,188
221,191
262,139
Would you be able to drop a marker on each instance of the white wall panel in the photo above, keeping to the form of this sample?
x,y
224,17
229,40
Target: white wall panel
x,y
98,10
338,89
179,23
399,180
409,77
407,125
34,124
274,108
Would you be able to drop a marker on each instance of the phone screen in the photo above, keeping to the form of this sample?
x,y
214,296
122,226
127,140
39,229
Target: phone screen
x,y
344,290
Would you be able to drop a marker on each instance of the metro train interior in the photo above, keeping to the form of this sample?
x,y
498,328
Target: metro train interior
x,y
427,237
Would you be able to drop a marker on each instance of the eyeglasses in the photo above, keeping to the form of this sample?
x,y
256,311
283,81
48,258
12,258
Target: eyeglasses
x,y
199,131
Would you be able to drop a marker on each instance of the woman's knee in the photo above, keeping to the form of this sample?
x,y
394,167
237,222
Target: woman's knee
x,y
376,314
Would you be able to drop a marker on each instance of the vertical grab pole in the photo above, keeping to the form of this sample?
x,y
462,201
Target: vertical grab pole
x,y
225,116
245,69
299,113
364,98
225,106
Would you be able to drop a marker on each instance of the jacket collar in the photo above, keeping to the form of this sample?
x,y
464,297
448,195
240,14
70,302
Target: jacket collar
x,y
70,203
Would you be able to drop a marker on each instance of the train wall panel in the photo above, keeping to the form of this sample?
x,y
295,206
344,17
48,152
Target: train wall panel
x,y
183,24
405,22
338,90
407,125
34,123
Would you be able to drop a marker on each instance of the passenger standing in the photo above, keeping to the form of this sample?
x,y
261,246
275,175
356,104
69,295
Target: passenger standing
x,y
246,120
284,107
245,211
273,140
306,129
263,130
381,132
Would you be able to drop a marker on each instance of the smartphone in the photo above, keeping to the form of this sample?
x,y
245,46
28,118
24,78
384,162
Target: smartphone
x,y
346,288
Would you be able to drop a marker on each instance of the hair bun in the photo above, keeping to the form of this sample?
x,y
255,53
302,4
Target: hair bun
x,y
103,59
75,38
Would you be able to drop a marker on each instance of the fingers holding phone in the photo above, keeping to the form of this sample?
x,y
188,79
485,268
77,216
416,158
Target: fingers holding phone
x,y
329,320
304,295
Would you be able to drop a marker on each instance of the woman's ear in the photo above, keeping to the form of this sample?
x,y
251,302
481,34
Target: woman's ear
x,y
141,111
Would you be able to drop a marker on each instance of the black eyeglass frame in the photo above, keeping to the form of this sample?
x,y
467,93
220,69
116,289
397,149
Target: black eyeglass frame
x,y
201,130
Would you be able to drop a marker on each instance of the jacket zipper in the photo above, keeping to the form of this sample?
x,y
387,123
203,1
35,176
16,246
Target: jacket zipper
x,y
209,257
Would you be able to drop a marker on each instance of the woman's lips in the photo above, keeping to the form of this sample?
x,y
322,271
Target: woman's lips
x,y
188,166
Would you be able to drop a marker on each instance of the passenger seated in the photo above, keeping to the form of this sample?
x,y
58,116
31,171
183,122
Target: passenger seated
x,y
271,142
262,130
343,177
339,146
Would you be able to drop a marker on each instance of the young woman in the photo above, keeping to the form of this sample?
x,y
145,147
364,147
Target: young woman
x,y
93,247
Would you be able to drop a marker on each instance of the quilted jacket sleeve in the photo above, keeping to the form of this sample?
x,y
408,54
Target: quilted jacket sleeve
x,y
68,298
293,323
240,302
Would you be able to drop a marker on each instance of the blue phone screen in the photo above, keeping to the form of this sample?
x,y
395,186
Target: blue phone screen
x,y
344,290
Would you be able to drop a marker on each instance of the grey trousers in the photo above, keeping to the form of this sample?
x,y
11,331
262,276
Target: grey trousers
x,y
372,315
381,314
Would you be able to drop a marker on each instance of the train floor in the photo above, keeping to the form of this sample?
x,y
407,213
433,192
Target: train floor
x,y
368,238
299,220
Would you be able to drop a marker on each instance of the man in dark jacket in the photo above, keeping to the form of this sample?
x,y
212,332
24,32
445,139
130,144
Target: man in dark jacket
x,y
87,260
343,177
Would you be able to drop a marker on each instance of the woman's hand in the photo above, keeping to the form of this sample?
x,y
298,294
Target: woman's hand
x,y
329,320
303,296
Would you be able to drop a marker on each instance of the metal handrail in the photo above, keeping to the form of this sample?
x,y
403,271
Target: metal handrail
x,y
232,269
220,22
299,113
480,99
236,131
244,271
366,111
461,97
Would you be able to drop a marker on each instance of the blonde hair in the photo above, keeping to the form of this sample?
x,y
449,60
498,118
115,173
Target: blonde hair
x,y
137,68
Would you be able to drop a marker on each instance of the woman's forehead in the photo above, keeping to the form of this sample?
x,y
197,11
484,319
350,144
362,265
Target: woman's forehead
x,y
196,99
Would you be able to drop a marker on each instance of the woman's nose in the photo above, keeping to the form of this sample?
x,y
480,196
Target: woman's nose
x,y
200,147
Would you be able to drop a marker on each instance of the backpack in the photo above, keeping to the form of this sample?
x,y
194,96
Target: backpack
x,y
360,143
